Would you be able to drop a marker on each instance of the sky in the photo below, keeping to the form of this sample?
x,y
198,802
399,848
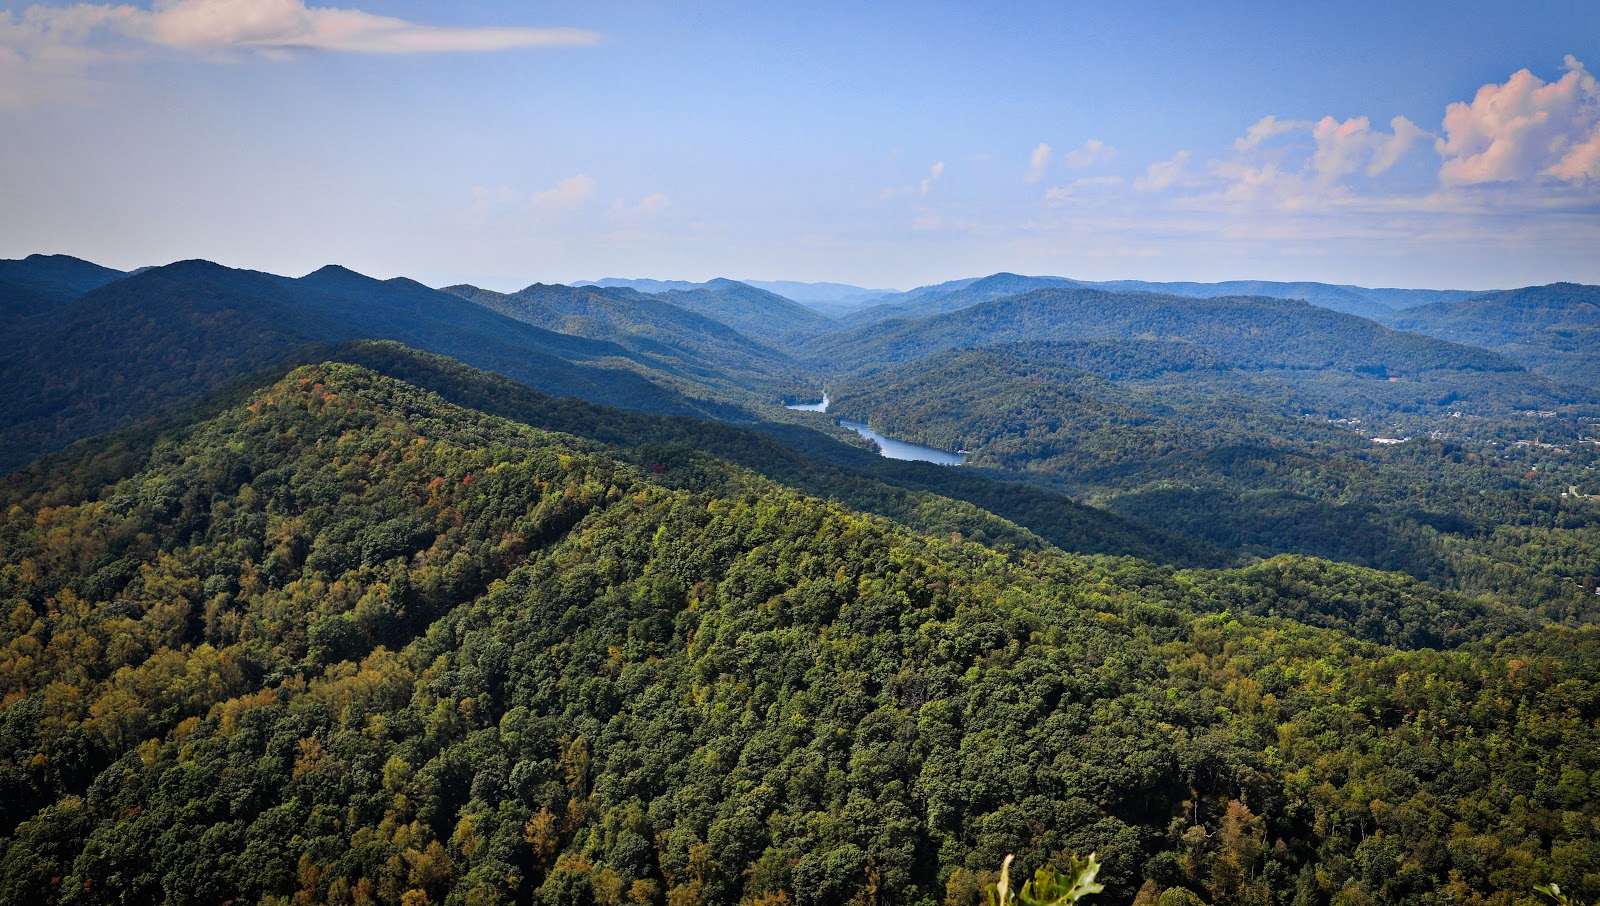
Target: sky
x,y
1417,144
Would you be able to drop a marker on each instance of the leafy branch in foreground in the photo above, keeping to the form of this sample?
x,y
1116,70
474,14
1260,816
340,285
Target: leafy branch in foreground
x,y
1553,891
1047,887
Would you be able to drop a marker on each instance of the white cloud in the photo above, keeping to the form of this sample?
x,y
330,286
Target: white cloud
x,y
1092,152
1265,128
923,187
1162,174
567,193
1405,134
1038,162
1341,147
648,206
485,200
1523,129
1060,194
1299,163
46,50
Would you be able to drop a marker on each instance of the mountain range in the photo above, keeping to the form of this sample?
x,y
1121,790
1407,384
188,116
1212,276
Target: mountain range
x,y
330,589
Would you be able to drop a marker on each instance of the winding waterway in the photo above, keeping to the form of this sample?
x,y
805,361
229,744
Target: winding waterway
x,y
811,407
888,447
899,449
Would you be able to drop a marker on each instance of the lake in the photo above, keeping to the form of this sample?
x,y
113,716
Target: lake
x,y
811,407
899,449
887,446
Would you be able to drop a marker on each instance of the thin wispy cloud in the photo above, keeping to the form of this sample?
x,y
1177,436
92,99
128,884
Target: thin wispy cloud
x,y
649,206
1064,193
288,25
922,187
46,50
565,194
1267,127
1038,163
1163,174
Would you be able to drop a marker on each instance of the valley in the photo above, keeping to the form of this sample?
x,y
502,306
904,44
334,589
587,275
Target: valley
x,y
336,589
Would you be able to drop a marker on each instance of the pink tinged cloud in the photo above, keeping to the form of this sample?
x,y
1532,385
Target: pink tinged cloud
x,y
566,193
1342,148
1523,129
291,25
1405,135
264,25
1266,128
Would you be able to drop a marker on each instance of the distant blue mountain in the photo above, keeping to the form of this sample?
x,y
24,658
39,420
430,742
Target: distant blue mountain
x,y
953,295
643,285
828,298
1555,328
56,277
1356,300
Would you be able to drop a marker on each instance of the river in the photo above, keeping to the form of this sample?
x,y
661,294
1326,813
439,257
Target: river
x,y
888,447
811,407
899,449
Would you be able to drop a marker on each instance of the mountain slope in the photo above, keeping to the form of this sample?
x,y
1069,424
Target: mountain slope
x,y
32,289
154,342
1365,301
809,461
1554,329
926,302
1173,442
713,352
752,312
827,298
57,277
643,285
349,642
1249,331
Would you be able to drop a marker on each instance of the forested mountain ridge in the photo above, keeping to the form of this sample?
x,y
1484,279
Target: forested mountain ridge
x,y
1162,434
1554,328
753,312
154,342
1290,357
929,301
827,298
33,288
56,277
1368,302
715,353
831,299
1005,515
350,643
1247,330
1365,301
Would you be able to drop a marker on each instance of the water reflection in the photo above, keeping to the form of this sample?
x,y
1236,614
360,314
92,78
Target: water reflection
x,y
899,449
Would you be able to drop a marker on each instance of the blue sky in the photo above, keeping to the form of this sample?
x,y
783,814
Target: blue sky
x,y
1410,144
